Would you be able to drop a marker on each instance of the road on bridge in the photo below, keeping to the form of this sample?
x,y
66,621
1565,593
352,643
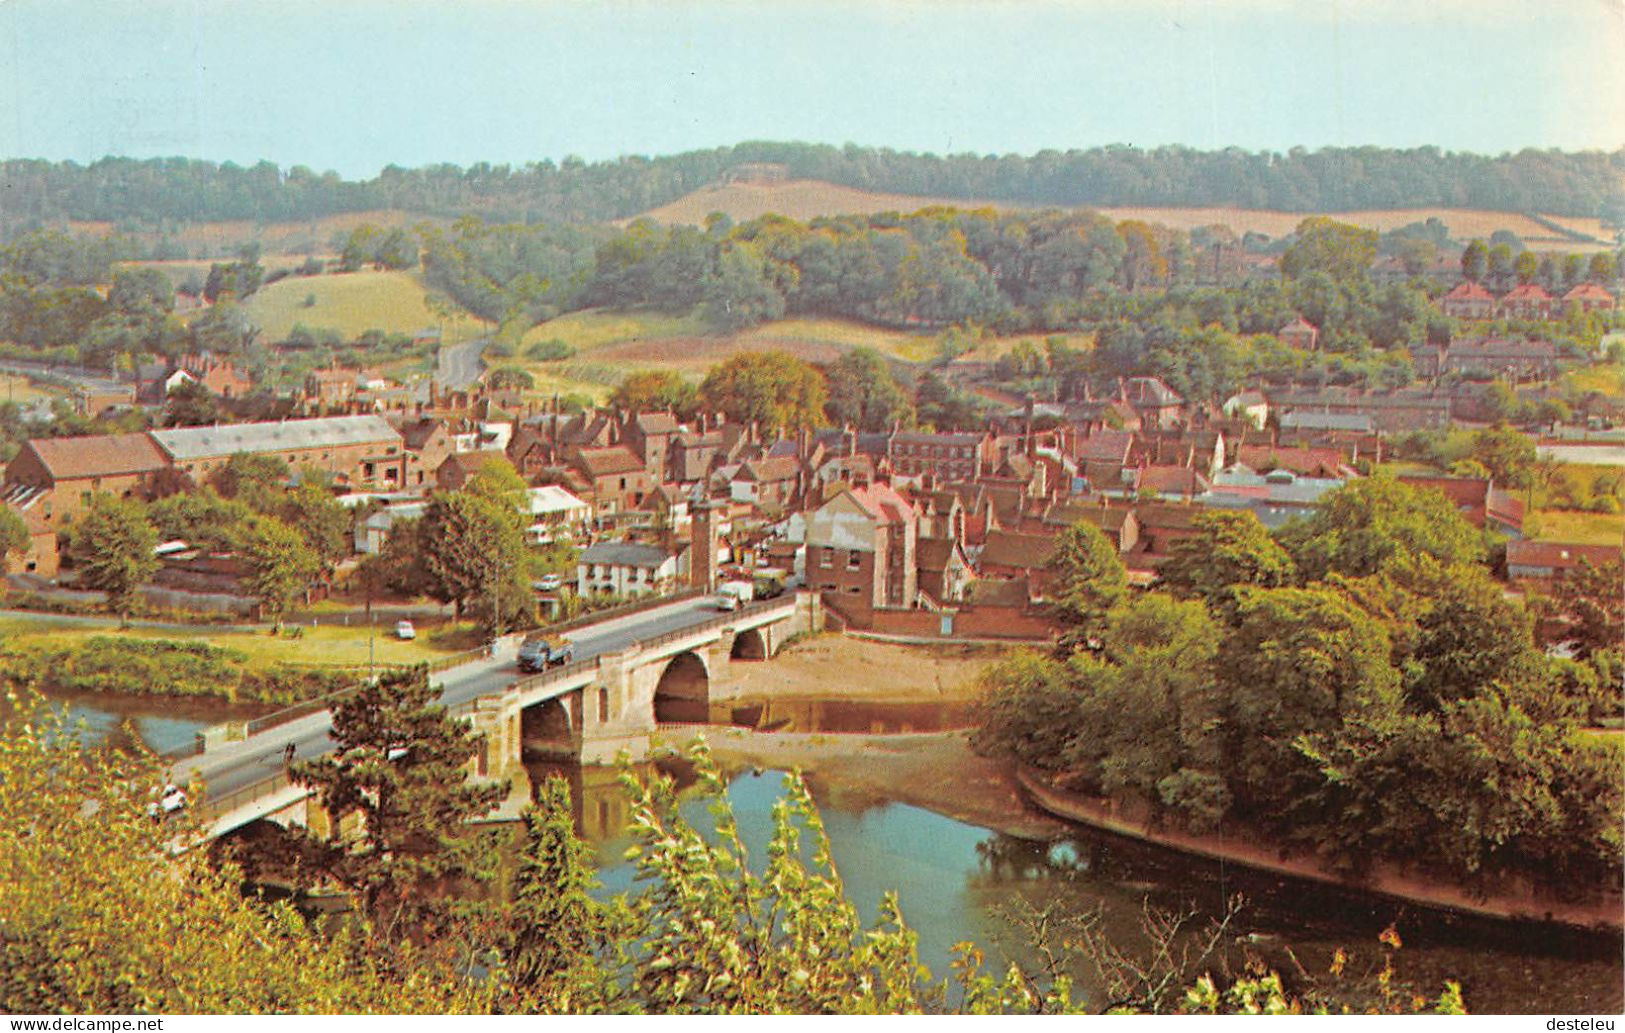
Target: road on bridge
x,y
243,764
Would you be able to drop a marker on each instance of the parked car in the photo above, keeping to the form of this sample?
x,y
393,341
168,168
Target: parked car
x,y
734,594
404,630
548,583
539,652
172,799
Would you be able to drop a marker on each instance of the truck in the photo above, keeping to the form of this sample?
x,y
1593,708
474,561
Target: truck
x,y
731,595
539,652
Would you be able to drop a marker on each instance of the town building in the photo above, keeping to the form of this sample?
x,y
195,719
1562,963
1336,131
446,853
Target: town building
x,y
355,451
1526,301
861,549
1300,334
1548,562
625,568
1468,300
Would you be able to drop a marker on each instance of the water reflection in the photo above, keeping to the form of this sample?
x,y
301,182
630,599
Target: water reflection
x,y
960,882
160,723
843,716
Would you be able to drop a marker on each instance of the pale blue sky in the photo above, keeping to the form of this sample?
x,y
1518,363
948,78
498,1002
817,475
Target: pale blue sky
x,y
353,85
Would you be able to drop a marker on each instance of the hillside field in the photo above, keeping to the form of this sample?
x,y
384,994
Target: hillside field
x,y
351,303
805,199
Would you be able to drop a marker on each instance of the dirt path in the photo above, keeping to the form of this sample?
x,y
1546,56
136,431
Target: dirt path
x,y
837,667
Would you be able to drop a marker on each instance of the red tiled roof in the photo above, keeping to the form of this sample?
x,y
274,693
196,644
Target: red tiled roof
x,y
1559,555
602,462
1527,292
1018,551
1584,291
1313,462
106,455
1167,479
1467,290
884,503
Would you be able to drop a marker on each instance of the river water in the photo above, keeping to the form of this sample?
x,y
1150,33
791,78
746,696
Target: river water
x,y
957,881
160,723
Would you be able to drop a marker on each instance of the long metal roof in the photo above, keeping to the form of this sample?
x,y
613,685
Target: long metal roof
x,y
185,443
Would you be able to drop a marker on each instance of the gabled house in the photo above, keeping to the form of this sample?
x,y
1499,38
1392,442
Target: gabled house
x,y
768,484
1468,300
1549,562
1157,404
650,435
616,477
68,472
430,443
861,549
945,570
1478,500
625,568
1526,301
454,471
1013,556
1250,405
1300,334
1588,297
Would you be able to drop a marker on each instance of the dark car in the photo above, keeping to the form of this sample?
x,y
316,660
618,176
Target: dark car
x,y
539,652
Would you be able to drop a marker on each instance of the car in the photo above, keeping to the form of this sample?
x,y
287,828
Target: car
x,y
539,652
549,583
404,630
172,799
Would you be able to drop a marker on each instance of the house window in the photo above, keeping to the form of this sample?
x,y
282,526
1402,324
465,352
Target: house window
x,y
623,483
827,559
603,704
853,558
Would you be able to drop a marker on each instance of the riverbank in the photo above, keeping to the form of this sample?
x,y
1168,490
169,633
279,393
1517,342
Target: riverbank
x,y
1384,879
936,771
839,667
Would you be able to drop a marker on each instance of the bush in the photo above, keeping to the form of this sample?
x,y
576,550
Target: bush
x,y
164,667
551,350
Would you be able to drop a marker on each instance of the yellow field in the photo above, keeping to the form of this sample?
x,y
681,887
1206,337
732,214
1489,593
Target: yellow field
x,y
805,199
1606,379
351,303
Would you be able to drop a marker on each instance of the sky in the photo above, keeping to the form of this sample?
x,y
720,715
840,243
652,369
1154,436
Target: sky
x,y
354,85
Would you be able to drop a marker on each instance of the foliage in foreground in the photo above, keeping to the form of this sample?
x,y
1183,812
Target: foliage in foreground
x,y
99,914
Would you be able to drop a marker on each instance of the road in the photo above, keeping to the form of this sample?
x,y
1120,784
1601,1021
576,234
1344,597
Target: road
x,y
242,764
460,364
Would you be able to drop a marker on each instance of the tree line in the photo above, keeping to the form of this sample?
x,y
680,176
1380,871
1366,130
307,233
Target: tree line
x,y
164,192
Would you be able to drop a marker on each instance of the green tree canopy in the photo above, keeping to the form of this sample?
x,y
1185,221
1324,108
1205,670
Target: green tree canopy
x,y
1321,244
1368,524
655,391
281,566
864,394
1089,581
774,390
1227,549
113,550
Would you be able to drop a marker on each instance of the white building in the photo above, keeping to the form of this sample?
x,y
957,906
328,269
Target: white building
x,y
625,568
554,511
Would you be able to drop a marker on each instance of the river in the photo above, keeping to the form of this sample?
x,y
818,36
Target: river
x,y
957,880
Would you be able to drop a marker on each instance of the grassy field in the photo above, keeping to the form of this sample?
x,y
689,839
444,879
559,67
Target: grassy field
x,y
1558,525
1607,379
328,644
351,303
805,199
25,392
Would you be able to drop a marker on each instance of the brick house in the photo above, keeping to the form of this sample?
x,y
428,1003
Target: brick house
x,y
1157,404
945,570
1588,297
616,477
1014,556
220,377
650,435
861,548
456,469
430,443
767,484
68,472
41,557
945,457
1487,358
1468,300
1526,301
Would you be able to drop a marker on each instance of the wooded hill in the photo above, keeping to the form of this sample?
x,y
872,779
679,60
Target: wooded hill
x,y
148,192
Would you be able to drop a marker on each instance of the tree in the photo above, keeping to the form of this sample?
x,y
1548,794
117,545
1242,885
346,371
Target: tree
x,y
1089,581
1525,266
1475,259
97,904
774,390
1508,455
200,518
1342,251
655,391
510,378
498,482
864,394
1298,661
281,566
257,480
1469,637
399,761
1369,524
321,520
559,932
716,937
1602,268
14,537
1589,600
739,292
469,546
113,550
190,404
1227,549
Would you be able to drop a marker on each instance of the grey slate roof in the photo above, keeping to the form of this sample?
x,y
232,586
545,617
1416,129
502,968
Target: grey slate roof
x,y
184,443
624,554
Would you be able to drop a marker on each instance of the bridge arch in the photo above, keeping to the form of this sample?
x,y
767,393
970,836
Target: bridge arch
x,y
683,693
750,644
549,729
